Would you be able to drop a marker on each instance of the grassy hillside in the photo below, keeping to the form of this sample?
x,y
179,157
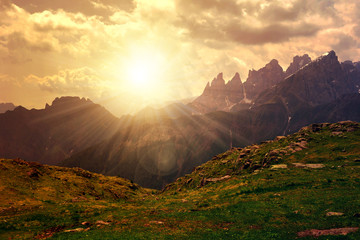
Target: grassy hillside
x,y
300,186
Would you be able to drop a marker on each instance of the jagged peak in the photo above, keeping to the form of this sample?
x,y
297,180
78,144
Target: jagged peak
x,y
20,108
218,81
69,100
236,77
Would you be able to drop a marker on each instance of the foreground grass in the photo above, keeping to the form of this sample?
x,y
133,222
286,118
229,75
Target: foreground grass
x,y
255,201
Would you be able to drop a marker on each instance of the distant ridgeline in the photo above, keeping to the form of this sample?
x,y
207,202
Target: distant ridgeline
x,y
156,146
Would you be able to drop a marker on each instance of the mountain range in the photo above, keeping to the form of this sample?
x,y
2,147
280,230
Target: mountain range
x,y
156,146
156,153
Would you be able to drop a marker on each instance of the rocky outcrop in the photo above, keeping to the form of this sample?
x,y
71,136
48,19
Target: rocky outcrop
x,y
319,82
218,95
297,63
264,78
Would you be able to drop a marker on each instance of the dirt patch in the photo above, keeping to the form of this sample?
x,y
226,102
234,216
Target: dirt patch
x,y
333,231
48,233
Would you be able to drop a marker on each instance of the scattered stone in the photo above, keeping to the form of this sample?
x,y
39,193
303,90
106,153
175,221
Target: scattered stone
x,y
156,222
309,165
34,173
336,133
329,214
297,149
189,181
99,222
77,230
302,144
279,138
184,200
86,223
274,152
333,231
318,165
315,127
207,180
278,166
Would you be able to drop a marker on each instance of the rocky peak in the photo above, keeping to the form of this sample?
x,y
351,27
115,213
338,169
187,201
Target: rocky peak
x,y
69,102
6,107
218,82
273,63
235,81
297,63
328,58
263,78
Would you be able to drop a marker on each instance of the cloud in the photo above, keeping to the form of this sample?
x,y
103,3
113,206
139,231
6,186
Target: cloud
x,y
102,8
82,81
254,22
17,40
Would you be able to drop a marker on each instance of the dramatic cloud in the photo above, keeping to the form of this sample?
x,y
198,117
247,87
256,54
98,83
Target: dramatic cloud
x,y
71,81
92,47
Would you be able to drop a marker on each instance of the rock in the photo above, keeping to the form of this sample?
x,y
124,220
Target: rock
x,y
207,180
328,214
318,165
315,127
77,230
297,63
188,181
274,152
297,149
333,231
34,173
100,222
264,78
278,138
356,215
157,222
299,165
86,223
278,166
357,160
336,133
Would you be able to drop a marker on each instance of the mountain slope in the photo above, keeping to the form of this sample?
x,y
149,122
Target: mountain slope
x,y
6,107
303,185
49,135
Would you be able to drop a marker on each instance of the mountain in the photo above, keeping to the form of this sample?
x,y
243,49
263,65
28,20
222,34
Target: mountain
x,y
264,78
49,135
321,81
302,186
6,107
235,95
157,152
297,63
219,95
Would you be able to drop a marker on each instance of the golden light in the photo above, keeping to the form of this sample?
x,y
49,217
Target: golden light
x,y
145,69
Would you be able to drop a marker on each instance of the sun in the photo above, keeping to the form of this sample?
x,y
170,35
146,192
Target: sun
x,y
145,68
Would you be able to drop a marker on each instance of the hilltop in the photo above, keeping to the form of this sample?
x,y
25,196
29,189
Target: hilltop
x,y
302,185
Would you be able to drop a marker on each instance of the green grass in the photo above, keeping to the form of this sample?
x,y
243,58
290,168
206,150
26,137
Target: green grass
x,y
257,202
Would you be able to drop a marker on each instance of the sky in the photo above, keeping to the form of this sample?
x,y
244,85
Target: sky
x,y
126,54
